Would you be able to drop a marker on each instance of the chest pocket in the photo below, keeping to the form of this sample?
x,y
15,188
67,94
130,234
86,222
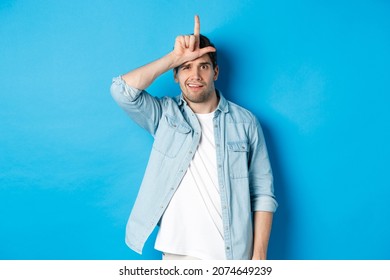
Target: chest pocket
x,y
170,136
238,159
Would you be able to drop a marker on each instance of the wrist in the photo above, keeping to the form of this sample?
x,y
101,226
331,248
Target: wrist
x,y
172,60
259,254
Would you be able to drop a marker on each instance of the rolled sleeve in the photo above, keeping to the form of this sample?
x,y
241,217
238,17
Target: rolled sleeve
x,y
264,203
119,90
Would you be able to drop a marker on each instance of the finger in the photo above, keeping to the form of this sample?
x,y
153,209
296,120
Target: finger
x,y
187,41
192,44
180,40
197,26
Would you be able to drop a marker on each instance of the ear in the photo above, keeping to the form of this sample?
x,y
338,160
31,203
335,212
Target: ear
x,y
175,76
216,72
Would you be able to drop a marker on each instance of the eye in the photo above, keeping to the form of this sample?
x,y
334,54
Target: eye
x,y
204,67
184,67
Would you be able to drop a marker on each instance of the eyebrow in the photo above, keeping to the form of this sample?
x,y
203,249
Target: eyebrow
x,y
201,63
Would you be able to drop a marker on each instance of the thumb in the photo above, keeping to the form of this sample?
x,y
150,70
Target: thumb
x,y
205,50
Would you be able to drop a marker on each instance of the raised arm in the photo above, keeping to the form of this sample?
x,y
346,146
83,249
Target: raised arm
x,y
186,49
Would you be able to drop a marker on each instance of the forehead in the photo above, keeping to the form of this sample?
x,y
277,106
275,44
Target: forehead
x,y
200,60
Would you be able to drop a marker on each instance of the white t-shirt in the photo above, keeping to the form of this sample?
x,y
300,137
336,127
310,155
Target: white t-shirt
x,y
192,223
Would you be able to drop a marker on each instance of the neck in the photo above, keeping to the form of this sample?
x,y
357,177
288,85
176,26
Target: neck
x,y
204,107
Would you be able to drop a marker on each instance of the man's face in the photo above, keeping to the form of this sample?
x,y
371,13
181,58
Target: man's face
x,y
196,79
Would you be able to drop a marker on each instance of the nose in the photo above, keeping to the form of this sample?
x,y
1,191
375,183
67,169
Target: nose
x,y
195,73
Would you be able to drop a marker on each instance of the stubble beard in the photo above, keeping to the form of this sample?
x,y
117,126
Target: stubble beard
x,y
198,97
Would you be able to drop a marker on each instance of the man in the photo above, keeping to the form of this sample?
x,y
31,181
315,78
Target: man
x,y
208,170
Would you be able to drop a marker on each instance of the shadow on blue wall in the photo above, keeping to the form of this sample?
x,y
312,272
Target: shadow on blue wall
x,y
280,240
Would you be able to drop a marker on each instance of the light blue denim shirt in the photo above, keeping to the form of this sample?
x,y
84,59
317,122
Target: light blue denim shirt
x,y
244,172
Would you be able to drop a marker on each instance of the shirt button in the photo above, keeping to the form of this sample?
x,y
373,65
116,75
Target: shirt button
x,y
228,248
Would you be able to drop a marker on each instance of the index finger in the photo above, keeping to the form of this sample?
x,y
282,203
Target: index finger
x,y
197,26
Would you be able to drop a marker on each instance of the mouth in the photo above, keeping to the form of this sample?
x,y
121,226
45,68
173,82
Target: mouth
x,y
195,86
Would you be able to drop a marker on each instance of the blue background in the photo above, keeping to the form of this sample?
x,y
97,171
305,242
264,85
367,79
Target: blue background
x,y
316,73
